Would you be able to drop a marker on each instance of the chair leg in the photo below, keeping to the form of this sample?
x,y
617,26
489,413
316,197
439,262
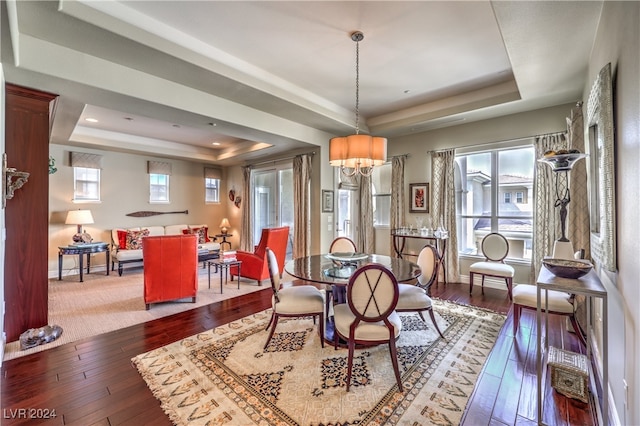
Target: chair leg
x,y
270,320
470,282
421,316
275,323
509,287
483,285
576,328
394,361
321,329
517,310
435,324
328,296
352,347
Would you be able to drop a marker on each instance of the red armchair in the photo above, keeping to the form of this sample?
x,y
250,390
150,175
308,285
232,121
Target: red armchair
x,y
254,265
170,268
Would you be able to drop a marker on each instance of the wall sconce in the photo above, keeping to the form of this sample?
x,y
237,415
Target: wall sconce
x,y
11,180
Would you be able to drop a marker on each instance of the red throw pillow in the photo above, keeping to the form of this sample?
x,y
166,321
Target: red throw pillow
x,y
122,239
202,234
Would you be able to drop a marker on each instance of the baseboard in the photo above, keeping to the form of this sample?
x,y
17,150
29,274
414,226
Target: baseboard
x,y
73,272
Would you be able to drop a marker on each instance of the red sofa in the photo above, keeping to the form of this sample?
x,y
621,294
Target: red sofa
x,y
170,268
254,265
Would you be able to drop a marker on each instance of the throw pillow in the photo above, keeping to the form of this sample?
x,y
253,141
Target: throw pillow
x,y
202,234
135,238
122,239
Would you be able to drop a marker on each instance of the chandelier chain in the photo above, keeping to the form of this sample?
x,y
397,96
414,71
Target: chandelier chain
x,y
357,87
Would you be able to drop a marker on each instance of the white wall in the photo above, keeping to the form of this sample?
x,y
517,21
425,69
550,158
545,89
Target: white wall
x,y
618,42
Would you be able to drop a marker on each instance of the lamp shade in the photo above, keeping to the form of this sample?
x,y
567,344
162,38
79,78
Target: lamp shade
x,y
79,217
225,225
357,150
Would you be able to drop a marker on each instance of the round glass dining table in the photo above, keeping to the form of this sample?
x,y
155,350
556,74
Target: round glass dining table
x,y
336,269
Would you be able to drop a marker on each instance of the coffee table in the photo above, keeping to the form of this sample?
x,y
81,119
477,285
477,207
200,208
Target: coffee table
x,y
222,266
204,256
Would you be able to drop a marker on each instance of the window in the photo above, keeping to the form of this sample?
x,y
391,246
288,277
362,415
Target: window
x,y
86,176
212,190
212,185
86,185
158,188
381,192
485,182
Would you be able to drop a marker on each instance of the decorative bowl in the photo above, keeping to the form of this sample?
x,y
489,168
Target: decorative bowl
x,y
565,268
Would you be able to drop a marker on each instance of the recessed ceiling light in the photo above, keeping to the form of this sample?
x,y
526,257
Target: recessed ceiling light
x,y
213,124
406,91
215,143
128,118
91,120
176,125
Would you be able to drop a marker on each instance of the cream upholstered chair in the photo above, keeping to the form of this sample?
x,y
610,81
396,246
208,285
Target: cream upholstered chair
x,y
369,317
338,245
559,303
295,301
495,248
415,298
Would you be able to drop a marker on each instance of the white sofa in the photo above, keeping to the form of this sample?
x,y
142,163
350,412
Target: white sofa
x,y
121,255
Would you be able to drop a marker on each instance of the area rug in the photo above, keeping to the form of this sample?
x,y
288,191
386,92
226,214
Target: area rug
x,y
104,303
224,376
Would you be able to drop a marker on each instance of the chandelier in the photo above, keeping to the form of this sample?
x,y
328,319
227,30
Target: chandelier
x,y
357,152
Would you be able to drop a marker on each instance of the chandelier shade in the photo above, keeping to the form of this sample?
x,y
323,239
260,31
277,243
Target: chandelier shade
x,y
358,152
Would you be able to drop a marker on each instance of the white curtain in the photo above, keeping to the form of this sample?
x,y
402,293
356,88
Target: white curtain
x,y
302,205
397,195
546,222
443,211
246,227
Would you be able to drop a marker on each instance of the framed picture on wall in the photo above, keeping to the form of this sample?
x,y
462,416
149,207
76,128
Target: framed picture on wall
x,y
327,201
419,197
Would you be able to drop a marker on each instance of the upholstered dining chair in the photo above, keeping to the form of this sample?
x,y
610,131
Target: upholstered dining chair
x,y
415,298
369,317
559,303
294,301
495,248
338,245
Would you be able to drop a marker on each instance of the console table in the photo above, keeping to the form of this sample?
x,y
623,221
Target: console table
x,y
399,238
589,286
80,250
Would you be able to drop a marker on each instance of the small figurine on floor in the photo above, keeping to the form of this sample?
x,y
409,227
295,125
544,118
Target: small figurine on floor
x,y
38,336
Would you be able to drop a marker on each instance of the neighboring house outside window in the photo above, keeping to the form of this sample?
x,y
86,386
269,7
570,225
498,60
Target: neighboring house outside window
x,y
485,182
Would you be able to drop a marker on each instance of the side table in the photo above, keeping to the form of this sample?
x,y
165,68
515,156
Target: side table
x,y
224,240
80,250
589,286
223,267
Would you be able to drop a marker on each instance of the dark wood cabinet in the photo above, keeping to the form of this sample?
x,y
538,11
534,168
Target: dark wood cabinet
x,y
27,115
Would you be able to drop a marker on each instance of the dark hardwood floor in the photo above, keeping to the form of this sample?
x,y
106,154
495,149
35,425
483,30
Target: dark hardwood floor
x,y
92,381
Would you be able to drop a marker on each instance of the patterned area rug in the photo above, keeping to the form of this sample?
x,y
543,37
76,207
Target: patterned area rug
x,y
225,377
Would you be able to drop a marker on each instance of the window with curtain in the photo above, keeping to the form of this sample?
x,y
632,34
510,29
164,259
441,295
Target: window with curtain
x,y
485,182
211,185
86,176
159,173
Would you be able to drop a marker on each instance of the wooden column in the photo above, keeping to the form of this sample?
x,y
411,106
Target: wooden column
x,y
27,213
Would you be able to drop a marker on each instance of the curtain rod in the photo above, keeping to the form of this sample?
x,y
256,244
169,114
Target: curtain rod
x,y
312,153
493,143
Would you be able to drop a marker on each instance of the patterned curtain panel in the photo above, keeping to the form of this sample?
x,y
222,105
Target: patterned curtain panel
x,y
246,228
578,230
397,195
546,222
302,206
366,237
444,206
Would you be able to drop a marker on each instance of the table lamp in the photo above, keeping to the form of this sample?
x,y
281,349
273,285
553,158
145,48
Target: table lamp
x,y
80,217
225,225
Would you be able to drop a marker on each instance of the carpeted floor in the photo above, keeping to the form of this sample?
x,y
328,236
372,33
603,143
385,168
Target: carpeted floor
x,y
224,376
105,303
